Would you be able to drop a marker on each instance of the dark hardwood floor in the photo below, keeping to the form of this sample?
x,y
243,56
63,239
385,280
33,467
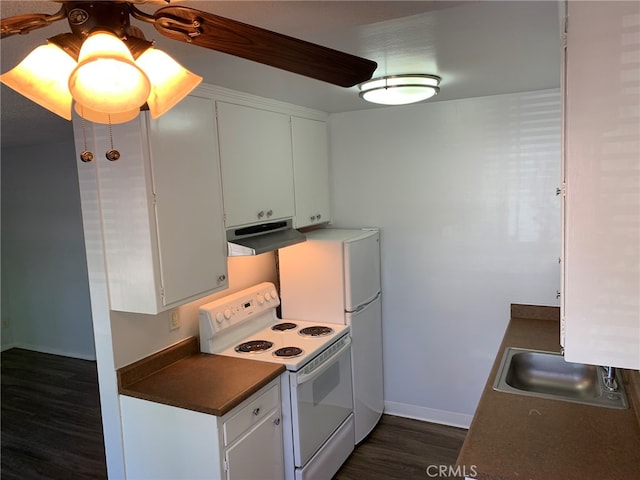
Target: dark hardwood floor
x,y
51,429
50,426
405,449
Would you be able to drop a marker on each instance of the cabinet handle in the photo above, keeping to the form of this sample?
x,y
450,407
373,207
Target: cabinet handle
x,y
256,412
269,213
222,278
276,422
261,214
319,216
312,218
558,294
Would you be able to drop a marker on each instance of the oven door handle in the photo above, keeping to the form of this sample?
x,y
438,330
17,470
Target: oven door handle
x,y
307,377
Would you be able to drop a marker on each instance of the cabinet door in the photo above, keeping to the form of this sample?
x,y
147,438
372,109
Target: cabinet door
x,y
188,201
256,165
310,171
601,304
160,207
259,454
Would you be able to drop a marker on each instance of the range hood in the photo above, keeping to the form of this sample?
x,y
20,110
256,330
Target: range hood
x,y
262,238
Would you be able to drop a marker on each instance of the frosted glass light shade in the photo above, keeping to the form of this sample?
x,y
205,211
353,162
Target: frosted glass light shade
x,y
400,89
106,78
42,77
170,81
105,118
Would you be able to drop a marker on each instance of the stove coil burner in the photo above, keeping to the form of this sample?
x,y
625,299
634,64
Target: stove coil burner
x,y
254,346
316,331
281,327
288,352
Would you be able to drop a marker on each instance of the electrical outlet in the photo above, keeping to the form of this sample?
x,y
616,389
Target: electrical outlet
x,y
174,319
5,323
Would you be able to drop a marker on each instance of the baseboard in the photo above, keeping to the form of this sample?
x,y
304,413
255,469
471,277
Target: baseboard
x,y
8,346
428,414
52,351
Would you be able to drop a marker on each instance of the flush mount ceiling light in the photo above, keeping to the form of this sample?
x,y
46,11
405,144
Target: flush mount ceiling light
x,y
400,89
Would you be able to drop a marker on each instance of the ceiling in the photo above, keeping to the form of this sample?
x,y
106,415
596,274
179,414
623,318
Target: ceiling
x,y
478,48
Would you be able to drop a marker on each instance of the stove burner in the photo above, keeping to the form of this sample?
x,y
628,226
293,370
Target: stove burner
x,y
254,346
281,327
288,352
316,331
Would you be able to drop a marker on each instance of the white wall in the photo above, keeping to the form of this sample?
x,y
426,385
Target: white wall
x,y
45,294
464,194
137,336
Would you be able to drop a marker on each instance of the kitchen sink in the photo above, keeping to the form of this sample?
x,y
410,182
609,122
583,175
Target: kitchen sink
x,y
542,374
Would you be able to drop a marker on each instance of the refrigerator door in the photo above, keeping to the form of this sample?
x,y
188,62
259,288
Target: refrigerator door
x,y
361,269
366,361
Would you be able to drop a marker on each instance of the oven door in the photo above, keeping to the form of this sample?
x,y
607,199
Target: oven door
x,y
321,399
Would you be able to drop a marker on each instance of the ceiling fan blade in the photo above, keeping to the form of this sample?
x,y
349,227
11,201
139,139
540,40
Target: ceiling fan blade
x,y
24,24
263,46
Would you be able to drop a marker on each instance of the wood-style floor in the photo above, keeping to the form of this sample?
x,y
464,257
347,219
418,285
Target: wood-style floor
x,y
51,428
405,449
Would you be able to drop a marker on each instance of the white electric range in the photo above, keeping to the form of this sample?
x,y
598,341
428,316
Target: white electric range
x,y
317,391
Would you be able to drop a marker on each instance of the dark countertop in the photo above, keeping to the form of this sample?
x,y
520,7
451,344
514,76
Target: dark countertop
x,y
520,437
183,377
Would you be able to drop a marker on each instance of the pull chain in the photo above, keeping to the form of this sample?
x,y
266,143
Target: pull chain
x,y
112,154
86,155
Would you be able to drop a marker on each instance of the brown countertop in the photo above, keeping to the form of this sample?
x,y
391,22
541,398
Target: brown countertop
x,y
519,437
183,377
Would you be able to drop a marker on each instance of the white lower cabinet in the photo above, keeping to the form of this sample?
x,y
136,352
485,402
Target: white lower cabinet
x,y
160,206
251,457
162,442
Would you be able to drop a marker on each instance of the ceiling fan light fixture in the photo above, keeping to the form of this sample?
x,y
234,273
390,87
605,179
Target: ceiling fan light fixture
x,y
400,89
170,81
107,78
42,78
105,118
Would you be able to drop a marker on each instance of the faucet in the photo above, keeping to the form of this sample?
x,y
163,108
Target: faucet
x,y
609,379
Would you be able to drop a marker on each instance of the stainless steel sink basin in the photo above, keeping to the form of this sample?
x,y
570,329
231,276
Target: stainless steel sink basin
x,y
547,375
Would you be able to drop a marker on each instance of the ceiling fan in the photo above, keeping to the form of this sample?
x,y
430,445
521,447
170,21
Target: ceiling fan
x,y
187,25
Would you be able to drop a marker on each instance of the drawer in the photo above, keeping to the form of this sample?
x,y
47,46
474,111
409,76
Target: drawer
x,y
251,414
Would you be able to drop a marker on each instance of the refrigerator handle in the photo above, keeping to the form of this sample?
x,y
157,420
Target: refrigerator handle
x,y
365,305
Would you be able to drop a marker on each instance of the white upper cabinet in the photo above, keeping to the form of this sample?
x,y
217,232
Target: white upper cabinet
x,y
601,258
310,171
256,164
160,206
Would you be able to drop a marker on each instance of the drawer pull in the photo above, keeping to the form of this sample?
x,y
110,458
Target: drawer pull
x,y
276,422
256,412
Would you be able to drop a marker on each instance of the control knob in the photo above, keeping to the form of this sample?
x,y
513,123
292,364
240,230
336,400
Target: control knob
x,y
227,314
261,299
219,317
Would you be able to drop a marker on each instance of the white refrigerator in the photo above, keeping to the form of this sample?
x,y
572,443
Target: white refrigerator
x,y
335,277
